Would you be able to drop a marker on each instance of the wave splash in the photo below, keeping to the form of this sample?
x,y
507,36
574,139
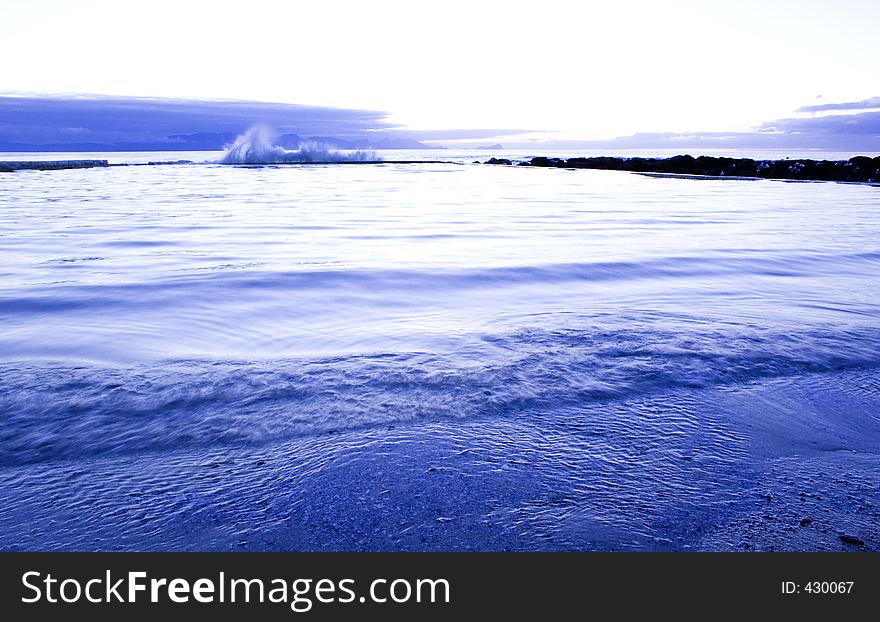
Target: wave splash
x,y
257,146
57,411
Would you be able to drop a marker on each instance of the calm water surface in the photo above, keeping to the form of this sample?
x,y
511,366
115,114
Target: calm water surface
x,y
153,309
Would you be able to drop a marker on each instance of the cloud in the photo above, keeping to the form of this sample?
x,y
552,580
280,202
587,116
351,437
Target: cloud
x,y
99,123
857,132
872,102
844,126
115,120
139,123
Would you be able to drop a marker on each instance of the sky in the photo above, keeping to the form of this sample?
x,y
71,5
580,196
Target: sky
x,y
562,70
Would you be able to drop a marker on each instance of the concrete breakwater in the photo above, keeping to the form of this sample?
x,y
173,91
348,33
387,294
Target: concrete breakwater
x,y
49,165
857,169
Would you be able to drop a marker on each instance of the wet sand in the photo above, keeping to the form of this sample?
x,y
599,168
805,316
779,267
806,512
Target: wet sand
x,y
784,464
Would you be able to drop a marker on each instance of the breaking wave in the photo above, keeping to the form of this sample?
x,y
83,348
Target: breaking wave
x,y
257,146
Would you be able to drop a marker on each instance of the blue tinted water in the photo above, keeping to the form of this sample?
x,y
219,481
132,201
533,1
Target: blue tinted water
x,y
156,309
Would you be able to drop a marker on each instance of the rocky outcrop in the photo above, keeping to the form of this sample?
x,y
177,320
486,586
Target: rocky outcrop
x,y
857,169
49,165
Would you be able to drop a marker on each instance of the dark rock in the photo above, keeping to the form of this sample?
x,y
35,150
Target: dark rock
x,y
498,161
684,162
848,539
50,165
641,165
544,162
607,163
744,167
806,520
857,169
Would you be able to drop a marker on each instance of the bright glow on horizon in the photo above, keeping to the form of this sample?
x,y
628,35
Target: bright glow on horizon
x,y
579,70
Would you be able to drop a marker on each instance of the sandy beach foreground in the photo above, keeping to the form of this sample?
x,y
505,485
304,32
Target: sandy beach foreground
x,y
781,464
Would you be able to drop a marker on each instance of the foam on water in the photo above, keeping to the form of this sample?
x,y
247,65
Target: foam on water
x,y
84,411
257,146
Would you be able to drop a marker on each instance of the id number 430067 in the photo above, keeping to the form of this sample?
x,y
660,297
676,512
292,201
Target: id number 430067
x,y
818,587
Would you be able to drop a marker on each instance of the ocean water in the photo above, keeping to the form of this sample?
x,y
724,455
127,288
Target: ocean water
x,y
588,323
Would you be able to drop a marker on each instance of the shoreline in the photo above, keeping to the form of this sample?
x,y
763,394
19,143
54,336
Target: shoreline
x,y
747,472
859,169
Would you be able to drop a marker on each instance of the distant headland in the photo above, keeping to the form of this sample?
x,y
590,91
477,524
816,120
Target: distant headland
x,y
858,169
